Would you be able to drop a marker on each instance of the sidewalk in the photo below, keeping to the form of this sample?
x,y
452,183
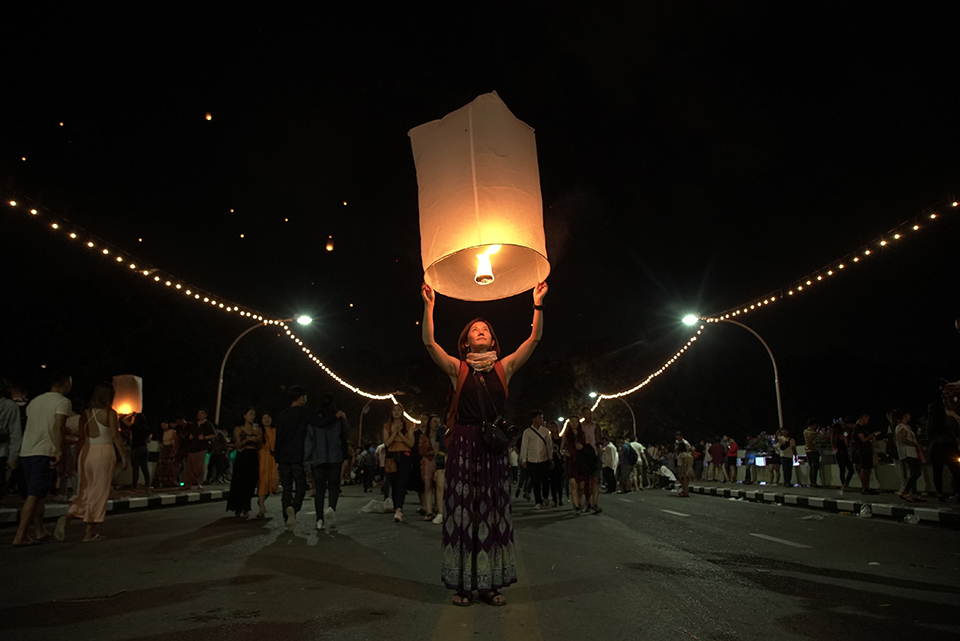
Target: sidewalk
x,y
884,505
121,501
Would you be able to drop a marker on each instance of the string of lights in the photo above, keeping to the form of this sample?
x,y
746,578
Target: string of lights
x,y
901,231
670,361
117,256
852,259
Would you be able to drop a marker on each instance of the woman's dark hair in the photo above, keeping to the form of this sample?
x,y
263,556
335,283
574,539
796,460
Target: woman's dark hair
x,y
262,414
328,406
243,414
898,414
102,397
836,435
462,342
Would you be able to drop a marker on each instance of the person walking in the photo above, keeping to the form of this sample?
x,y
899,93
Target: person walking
x,y
440,460
788,449
428,462
574,444
478,549
911,455
943,428
398,439
246,468
812,437
591,432
40,451
140,437
289,452
268,479
165,474
536,454
199,435
11,433
558,470
100,439
323,452
684,453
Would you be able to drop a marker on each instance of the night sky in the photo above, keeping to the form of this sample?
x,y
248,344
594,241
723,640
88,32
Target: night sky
x,y
693,156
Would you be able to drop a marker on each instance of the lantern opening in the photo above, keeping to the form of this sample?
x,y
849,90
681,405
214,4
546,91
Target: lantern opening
x,y
484,268
124,409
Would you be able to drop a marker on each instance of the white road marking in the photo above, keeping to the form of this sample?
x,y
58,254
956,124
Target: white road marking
x,y
625,500
675,513
776,540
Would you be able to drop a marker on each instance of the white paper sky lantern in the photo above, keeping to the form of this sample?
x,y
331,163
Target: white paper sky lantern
x,y
128,397
481,213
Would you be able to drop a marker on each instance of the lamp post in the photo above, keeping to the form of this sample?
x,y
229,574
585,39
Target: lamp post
x,y
633,417
692,319
363,412
303,320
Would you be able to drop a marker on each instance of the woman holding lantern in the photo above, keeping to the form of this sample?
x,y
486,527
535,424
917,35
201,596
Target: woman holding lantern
x,y
478,550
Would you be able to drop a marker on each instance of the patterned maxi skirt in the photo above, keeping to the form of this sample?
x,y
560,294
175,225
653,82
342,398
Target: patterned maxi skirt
x,y
478,551
167,470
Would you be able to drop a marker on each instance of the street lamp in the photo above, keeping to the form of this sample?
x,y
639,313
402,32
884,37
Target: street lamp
x,y
366,408
693,319
303,320
632,415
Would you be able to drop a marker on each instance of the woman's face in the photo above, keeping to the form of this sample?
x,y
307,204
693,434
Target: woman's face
x,y
424,420
434,423
396,412
906,417
266,420
250,415
479,338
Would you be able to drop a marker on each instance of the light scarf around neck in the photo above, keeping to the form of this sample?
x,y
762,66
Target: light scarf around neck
x,y
482,362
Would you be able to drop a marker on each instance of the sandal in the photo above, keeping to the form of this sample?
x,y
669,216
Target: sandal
x,y
96,537
430,517
462,598
492,597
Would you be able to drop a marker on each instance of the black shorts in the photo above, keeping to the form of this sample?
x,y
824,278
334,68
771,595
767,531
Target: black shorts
x,y
731,461
39,475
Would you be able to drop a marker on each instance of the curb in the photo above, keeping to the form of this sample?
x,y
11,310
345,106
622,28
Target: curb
x,y
11,516
883,510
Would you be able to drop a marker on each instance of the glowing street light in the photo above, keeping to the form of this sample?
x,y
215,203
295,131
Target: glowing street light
x,y
691,320
304,320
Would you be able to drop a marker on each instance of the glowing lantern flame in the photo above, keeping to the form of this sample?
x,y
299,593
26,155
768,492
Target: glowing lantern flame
x,y
128,397
329,243
209,116
484,269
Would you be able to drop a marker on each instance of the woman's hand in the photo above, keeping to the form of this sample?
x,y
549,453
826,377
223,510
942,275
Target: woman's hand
x,y
429,297
539,292
125,463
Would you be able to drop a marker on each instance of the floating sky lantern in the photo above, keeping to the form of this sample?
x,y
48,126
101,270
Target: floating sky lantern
x,y
481,213
329,243
128,396
209,116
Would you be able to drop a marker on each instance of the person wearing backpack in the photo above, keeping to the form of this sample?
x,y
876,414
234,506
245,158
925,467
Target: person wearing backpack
x,y
536,456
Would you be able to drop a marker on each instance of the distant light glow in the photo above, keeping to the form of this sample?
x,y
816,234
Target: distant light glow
x,y
304,320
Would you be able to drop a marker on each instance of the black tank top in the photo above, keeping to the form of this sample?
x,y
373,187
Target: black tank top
x,y
469,410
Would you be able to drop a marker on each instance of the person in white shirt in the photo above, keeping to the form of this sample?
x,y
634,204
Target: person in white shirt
x,y
608,456
40,451
536,456
640,469
909,451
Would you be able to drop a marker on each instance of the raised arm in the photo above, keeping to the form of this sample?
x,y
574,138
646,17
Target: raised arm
x,y
448,364
515,361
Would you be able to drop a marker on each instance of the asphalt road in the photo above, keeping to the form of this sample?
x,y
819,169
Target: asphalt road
x,y
652,566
